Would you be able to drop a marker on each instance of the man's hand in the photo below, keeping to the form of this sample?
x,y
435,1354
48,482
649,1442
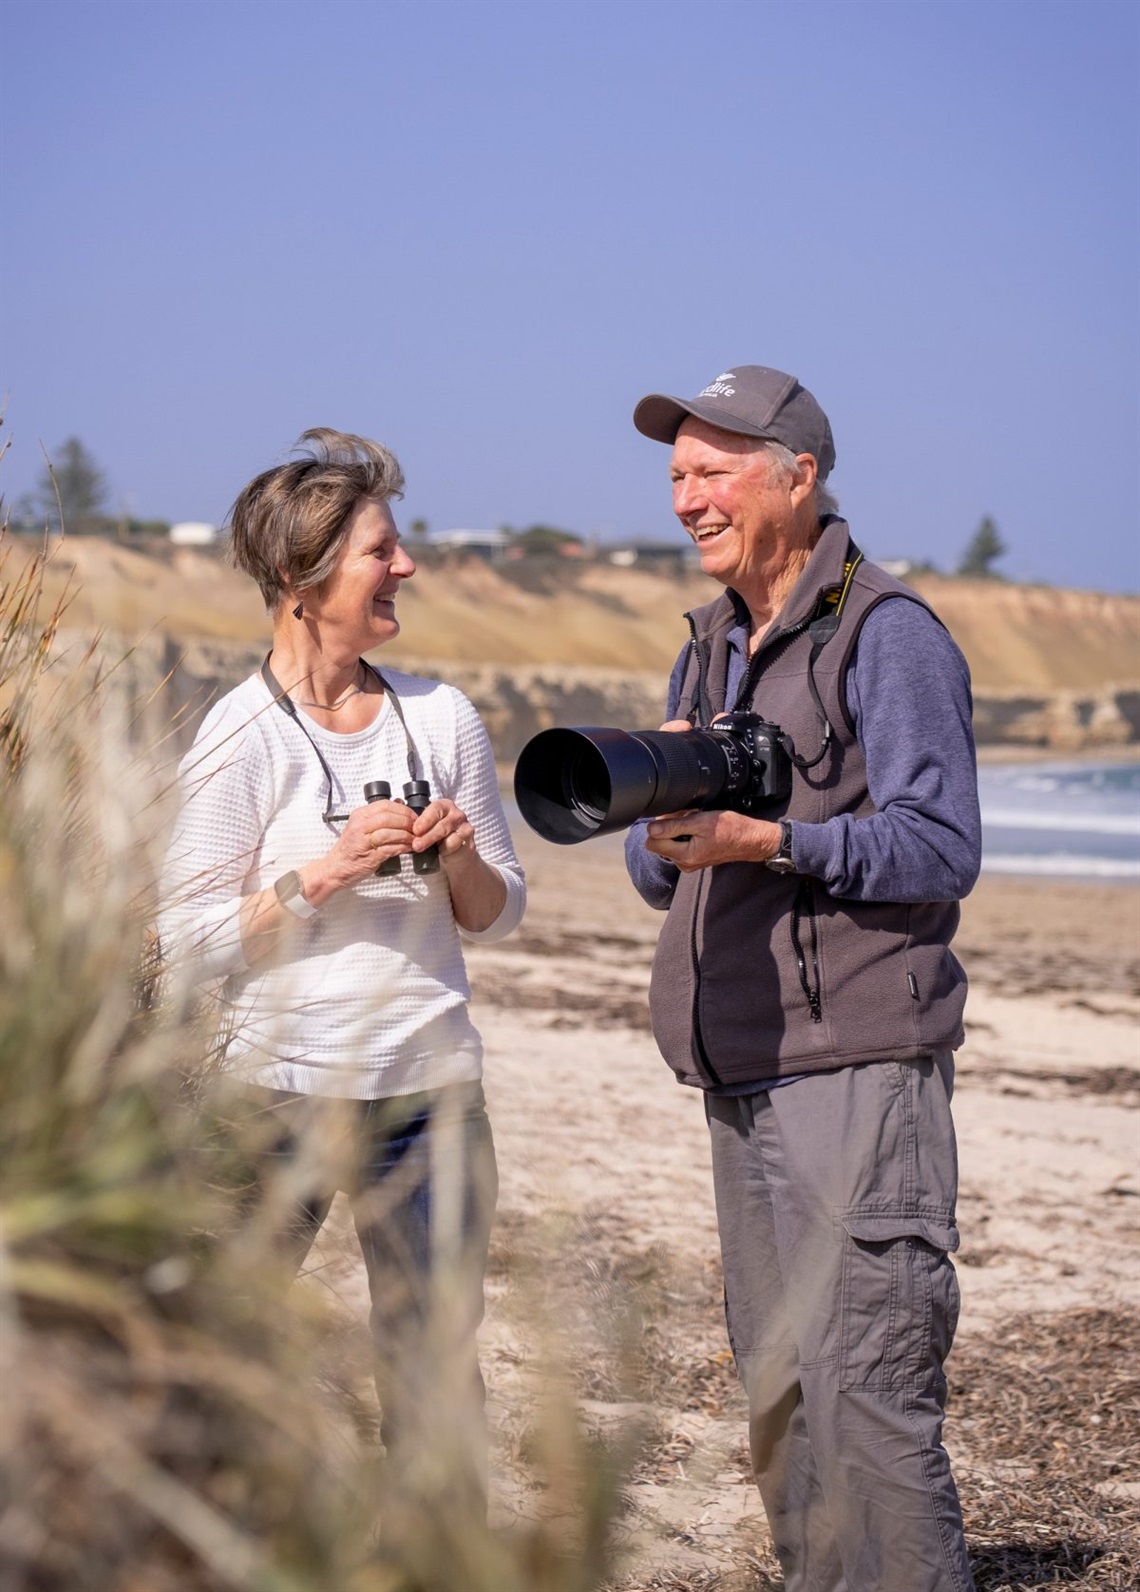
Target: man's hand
x,y
696,839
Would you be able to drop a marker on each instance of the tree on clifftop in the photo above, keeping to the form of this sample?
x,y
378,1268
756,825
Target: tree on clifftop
x,y
73,485
984,548
544,539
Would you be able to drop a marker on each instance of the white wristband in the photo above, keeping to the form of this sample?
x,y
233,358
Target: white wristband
x,y
290,892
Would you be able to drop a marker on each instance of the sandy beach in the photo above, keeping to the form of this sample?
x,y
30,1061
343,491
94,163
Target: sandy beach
x,y
606,1214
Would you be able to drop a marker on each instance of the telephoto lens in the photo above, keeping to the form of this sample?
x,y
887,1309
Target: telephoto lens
x,y
574,783
417,794
379,790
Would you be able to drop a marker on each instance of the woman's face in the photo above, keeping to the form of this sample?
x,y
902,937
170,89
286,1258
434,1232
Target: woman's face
x,y
357,603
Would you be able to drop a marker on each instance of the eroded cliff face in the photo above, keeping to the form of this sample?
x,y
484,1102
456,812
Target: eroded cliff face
x,y
1060,721
1031,638
180,680
563,643
1038,638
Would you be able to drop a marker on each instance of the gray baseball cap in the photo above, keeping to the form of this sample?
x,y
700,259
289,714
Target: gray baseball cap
x,y
753,401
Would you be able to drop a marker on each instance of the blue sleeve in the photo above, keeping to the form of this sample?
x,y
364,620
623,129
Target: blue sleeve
x,y
908,693
655,878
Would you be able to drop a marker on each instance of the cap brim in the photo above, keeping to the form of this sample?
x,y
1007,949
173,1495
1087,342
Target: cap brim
x,y
661,417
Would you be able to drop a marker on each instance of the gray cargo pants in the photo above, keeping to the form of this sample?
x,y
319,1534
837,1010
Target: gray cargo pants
x,y
835,1200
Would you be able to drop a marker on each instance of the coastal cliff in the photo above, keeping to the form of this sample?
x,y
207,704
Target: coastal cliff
x,y
516,701
556,642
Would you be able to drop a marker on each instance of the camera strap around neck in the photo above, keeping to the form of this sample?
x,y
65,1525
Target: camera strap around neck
x,y
821,627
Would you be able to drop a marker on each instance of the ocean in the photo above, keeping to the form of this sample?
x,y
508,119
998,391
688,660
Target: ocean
x,y
1078,821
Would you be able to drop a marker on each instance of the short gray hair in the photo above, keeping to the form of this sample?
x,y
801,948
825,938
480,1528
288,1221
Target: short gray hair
x,y
783,460
288,525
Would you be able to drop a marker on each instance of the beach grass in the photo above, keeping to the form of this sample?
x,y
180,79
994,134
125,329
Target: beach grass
x,y
175,1415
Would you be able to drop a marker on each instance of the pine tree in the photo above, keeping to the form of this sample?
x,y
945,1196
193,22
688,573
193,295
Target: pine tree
x,y
74,487
984,549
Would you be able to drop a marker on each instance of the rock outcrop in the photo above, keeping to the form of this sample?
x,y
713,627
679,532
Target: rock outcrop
x,y
180,680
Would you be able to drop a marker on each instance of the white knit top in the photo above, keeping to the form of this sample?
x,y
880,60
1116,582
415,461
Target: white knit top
x,y
369,997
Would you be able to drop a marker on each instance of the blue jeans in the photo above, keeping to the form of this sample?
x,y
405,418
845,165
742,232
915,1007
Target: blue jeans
x,y
420,1174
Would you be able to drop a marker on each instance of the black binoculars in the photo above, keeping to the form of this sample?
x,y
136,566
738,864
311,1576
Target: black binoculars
x,y
417,795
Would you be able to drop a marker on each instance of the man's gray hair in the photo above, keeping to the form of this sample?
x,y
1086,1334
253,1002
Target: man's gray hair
x,y
783,460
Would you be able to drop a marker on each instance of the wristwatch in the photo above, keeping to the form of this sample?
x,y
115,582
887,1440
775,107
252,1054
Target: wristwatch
x,y
782,861
292,896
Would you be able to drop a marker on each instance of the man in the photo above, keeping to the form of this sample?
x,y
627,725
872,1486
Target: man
x,y
804,981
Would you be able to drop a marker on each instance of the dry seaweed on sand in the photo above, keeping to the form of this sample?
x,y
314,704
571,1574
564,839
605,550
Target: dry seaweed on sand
x,y
1045,1424
1043,1420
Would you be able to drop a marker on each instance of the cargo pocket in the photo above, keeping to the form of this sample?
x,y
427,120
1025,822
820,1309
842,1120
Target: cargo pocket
x,y
899,1300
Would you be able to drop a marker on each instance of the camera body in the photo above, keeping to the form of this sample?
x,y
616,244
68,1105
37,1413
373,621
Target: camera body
x,y
760,768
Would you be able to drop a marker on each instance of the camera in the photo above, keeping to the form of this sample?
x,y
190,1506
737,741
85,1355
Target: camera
x,y
574,783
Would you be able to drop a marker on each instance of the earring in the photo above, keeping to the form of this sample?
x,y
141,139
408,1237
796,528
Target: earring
x,y
299,610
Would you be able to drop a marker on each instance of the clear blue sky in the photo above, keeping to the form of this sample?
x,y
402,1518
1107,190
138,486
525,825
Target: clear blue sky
x,y
481,231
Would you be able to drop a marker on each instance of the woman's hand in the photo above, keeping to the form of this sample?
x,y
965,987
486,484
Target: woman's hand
x,y
373,833
442,824
478,893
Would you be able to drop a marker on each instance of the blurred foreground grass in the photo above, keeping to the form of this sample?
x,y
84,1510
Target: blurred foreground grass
x,y
170,1421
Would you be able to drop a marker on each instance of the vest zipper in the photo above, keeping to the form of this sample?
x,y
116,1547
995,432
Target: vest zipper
x,y
809,985
764,654
772,647
702,1053
696,711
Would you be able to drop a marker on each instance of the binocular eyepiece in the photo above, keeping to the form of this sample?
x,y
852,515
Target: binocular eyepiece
x,y
574,783
417,795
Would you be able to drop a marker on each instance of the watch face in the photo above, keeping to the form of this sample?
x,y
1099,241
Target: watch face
x,y
287,887
782,861
291,895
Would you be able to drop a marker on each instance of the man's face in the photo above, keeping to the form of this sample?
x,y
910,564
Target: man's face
x,y
737,509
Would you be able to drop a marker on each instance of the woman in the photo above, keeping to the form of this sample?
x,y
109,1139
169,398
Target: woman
x,y
333,921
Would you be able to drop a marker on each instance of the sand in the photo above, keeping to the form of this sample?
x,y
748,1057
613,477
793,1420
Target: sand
x,y
606,1203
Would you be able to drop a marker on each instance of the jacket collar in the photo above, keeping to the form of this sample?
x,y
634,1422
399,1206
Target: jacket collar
x,y
823,571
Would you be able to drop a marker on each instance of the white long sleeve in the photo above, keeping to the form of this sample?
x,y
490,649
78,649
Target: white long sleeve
x,y
369,997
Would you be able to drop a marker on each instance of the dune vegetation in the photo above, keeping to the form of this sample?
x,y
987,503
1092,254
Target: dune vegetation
x,y
170,1422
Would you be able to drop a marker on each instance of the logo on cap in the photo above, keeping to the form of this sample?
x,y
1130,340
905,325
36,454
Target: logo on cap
x,y
720,388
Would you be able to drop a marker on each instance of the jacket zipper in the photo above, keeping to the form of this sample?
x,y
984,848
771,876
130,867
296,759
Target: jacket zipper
x,y
809,984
